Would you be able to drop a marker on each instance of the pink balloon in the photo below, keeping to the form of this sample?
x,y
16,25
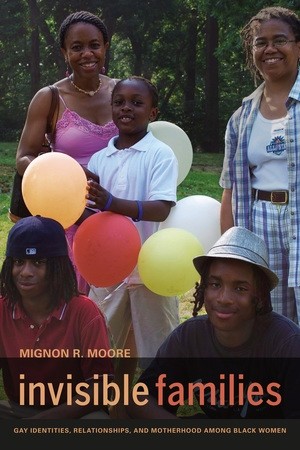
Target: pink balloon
x,y
106,248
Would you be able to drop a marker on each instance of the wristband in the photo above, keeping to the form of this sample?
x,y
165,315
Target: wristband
x,y
140,211
108,203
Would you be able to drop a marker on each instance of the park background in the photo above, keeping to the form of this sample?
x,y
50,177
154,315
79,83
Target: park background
x,y
191,49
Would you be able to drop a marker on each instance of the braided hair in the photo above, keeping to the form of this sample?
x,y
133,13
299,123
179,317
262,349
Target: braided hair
x,y
60,275
79,17
249,30
263,300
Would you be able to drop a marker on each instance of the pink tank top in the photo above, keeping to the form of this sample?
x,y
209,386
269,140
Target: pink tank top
x,y
80,138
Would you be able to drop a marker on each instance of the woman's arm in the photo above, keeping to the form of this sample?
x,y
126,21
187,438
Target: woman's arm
x,y
226,218
33,134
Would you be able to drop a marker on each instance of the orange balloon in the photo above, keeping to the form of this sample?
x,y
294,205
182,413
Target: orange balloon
x,y
106,248
54,185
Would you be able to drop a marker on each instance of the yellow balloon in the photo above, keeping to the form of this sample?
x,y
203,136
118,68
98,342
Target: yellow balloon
x,y
54,185
165,261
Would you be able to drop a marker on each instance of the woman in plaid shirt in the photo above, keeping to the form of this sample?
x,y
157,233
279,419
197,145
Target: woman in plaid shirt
x,y
259,174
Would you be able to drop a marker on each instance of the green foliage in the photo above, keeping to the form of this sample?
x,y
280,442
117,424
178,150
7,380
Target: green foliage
x,y
6,224
150,38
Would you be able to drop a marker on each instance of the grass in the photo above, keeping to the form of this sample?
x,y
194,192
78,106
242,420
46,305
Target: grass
x,y
5,223
202,179
7,167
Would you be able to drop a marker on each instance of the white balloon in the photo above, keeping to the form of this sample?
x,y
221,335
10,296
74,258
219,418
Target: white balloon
x,y
198,214
178,140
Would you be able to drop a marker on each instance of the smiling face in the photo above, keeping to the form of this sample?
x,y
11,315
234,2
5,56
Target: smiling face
x,y
132,110
276,63
85,49
230,300
29,276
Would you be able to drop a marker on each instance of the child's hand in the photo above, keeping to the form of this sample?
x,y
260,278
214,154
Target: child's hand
x,y
96,196
90,175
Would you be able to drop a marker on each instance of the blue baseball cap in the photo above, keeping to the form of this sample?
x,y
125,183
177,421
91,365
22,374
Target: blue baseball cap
x,y
36,237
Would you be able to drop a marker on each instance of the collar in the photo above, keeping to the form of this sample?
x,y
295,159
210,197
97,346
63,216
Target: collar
x,y
255,94
293,95
58,313
140,146
295,91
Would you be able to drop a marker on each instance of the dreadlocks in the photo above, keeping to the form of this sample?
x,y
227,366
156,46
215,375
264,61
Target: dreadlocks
x,y
263,304
61,277
249,30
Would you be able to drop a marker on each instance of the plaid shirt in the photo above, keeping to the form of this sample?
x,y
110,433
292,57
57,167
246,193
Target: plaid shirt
x,y
236,172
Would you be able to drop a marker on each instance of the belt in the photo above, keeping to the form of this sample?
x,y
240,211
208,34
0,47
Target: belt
x,y
276,197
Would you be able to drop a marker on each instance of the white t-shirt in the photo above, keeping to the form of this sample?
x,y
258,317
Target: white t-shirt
x,y
267,154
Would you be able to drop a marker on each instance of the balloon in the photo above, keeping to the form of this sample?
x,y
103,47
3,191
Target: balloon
x,y
198,214
54,185
178,140
106,248
165,261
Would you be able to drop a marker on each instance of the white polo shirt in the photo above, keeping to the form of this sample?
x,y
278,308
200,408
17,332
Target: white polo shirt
x,y
146,171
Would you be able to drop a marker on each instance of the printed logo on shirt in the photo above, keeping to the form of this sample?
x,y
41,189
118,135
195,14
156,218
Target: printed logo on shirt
x,y
277,145
30,251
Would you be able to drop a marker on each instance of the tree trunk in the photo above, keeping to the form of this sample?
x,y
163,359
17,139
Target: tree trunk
x,y
34,57
211,138
190,70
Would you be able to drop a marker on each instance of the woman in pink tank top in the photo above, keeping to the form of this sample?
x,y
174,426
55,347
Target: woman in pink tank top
x,y
84,123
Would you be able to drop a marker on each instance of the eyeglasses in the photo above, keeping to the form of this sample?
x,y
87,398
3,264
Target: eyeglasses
x,y
277,43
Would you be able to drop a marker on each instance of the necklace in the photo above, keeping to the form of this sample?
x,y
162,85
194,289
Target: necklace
x,y
90,93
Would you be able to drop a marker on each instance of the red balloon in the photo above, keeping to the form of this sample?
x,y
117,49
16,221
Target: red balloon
x,y
106,248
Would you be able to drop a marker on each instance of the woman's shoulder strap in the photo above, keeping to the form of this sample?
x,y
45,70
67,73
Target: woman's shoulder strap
x,y
53,111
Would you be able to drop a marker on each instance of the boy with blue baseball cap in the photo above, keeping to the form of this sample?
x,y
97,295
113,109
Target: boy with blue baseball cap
x,y
47,327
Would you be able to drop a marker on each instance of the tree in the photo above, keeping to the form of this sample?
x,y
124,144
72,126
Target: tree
x,y
211,139
191,49
34,55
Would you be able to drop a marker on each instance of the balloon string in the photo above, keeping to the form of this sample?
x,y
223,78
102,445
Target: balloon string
x,y
110,293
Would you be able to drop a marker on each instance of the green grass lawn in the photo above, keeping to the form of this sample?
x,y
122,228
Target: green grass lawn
x,y
202,179
5,223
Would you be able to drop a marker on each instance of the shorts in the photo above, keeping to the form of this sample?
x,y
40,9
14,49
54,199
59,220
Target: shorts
x,y
152,317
